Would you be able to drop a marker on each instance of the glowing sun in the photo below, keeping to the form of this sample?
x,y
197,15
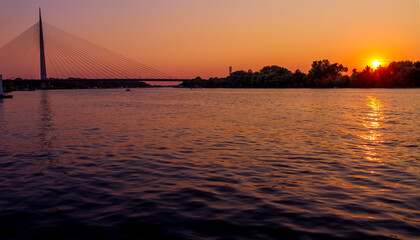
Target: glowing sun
x,y
376,64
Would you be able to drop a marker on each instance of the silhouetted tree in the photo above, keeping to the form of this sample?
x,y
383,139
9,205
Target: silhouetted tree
x,y
324,74
405,73
298,79
194,83
363,78
397,74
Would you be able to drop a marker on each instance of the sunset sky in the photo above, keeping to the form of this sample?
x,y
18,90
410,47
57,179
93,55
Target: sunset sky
x,y
188,38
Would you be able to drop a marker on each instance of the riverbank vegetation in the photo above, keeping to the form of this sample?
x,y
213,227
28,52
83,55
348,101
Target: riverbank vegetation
x,y
323,74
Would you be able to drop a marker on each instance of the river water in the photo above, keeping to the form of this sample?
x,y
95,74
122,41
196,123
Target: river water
x,y
210,164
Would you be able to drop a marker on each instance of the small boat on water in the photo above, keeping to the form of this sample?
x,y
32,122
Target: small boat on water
x,y
128,90
6,96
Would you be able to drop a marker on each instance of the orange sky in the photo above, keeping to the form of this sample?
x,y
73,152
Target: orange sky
x,y
188,38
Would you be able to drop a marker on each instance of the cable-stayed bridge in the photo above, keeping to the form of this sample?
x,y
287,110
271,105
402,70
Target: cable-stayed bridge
x,y
47,52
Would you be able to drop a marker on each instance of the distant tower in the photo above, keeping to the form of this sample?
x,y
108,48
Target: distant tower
x,y
230,70
41,49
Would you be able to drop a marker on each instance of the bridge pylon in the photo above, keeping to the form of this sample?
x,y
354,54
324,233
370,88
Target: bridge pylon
x,y
42,51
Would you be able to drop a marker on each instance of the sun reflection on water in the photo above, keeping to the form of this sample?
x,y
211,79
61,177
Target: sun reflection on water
x,y
372,122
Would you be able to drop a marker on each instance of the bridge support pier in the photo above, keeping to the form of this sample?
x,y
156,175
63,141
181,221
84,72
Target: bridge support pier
x,y
45,84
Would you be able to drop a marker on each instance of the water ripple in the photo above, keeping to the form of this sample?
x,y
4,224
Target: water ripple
x,y
210,164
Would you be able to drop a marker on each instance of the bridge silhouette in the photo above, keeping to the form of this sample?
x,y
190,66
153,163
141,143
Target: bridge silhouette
x,y
46,52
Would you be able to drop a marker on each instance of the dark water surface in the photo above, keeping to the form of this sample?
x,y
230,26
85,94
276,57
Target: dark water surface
x,y
210,164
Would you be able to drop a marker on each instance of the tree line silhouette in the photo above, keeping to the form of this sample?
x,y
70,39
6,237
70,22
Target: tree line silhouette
x,y
323,74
